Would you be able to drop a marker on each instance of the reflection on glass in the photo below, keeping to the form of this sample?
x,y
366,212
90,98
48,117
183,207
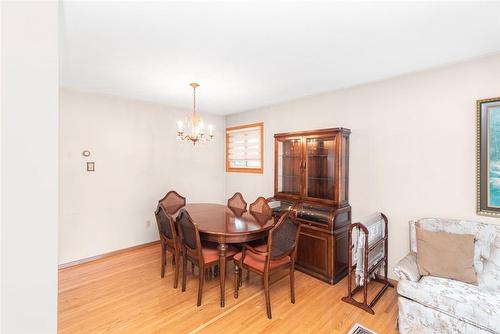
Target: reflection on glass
x,y
289,161
320,167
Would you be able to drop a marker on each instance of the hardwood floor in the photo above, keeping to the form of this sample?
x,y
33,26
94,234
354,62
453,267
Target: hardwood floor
x,y
125,294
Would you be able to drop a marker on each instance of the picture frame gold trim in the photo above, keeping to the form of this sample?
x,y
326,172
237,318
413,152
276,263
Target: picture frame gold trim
x,y
482,186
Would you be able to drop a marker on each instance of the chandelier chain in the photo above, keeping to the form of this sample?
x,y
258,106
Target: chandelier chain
x,y
194,100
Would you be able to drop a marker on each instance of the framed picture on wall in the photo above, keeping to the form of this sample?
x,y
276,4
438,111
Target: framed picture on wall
x,y
488,157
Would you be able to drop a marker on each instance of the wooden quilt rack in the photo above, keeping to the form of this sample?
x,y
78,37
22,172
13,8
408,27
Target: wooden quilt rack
x,y
367,272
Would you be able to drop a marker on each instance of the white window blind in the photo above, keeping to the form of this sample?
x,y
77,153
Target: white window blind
x,y
244,148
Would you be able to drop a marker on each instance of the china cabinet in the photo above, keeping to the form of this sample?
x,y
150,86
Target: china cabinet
x,y
312,176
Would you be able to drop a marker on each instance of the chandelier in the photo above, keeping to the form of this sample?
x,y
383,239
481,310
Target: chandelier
x,y
195,128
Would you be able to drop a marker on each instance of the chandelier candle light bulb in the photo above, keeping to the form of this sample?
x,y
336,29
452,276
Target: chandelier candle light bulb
x,y
195,125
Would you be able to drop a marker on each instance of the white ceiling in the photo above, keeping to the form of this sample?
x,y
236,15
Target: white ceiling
x,y
246,55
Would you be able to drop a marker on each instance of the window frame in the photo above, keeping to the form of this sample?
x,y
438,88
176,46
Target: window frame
x,y
253,170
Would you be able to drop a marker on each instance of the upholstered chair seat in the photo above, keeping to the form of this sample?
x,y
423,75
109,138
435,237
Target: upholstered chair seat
x,y
210,253
258,262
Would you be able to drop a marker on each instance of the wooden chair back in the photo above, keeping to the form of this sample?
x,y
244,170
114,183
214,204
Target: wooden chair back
x,y
172,202
237,202
260,206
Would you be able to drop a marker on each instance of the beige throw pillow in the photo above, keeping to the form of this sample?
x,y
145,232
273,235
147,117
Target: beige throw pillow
x,y
446,255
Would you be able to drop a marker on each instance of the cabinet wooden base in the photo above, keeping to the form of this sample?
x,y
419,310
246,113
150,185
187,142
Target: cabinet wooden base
x,y
322,253
330,280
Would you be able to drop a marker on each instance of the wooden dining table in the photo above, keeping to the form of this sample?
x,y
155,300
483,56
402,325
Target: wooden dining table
x,y
223,225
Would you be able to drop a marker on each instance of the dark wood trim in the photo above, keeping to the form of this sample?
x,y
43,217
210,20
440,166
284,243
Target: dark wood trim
x,y
346,171
105,255
312,132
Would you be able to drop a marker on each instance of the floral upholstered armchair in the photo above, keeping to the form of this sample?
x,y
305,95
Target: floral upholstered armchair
x,y
430,304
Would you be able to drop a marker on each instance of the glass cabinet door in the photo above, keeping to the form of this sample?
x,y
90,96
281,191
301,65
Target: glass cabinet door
x,y
289,164
320,167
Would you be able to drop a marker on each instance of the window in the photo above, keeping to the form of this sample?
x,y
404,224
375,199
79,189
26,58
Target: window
x,y
245,148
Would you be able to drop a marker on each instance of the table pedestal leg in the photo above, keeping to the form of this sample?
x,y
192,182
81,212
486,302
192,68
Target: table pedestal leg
x,y
222,272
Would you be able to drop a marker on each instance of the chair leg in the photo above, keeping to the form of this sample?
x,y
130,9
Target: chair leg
x,y
240,274
184,269
163,260
176,268
201,280
268,297
292,284
236,280
192,267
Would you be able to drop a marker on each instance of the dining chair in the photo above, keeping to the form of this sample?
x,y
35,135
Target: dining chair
x,y
169,241
280,252
237,202
168,206
203,255
261,211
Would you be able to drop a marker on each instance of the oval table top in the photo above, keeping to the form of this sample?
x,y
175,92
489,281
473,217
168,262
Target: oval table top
x,y
219,223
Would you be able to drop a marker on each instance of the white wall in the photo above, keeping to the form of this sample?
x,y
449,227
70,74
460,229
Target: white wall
x,y
137,160
29,154
412,148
